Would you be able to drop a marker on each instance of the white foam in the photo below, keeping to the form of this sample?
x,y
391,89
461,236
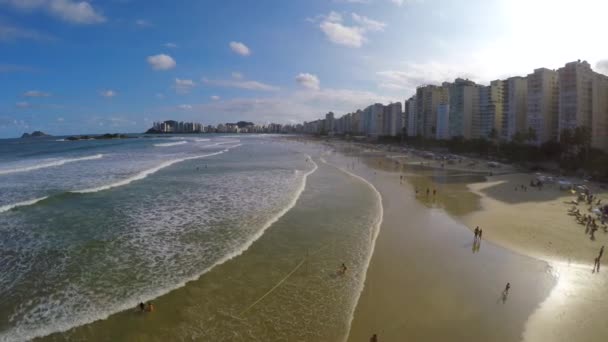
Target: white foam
x,y
27,333
200,140
171,144
8,207
144,174
53,163
376,232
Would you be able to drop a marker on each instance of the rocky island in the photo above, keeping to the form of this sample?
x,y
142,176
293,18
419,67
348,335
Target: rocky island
x,y
35,134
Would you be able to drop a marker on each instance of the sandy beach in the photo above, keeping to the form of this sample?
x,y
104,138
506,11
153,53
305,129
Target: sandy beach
x,y
531,227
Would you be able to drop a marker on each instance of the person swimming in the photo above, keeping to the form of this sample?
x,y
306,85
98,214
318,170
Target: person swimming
x,y
343,269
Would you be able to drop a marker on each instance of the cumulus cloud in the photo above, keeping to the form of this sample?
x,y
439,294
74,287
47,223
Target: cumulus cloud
x,y
602,66
308,81
353,35
76,12
161,62
185,107
183,86
36,93
237,75
215,97
241,84
11,33
367,23
417,74
240,48
108,93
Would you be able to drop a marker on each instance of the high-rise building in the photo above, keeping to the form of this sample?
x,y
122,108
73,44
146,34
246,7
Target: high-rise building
x,y
329,123
464,105
443,120
515,107
428,98
542,104
599,119
411,125
489,120
575,88
373,120
393,120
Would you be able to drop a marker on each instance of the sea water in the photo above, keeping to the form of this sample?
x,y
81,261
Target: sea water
x,y
88,229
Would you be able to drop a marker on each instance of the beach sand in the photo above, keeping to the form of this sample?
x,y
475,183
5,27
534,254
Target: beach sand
x,y
533,224
426,282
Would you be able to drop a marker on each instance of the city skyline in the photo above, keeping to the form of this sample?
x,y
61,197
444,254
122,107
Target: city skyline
x,y
90,67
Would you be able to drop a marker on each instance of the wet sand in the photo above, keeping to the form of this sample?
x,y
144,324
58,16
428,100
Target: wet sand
x,y
427,282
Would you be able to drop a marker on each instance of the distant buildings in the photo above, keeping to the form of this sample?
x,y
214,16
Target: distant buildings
x,y
175,127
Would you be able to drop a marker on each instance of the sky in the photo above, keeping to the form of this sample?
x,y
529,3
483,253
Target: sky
x,y
85,67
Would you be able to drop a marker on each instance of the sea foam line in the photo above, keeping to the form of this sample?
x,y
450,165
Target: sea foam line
x,y
376,232
171,144
50,164
145,173
17,334
8,207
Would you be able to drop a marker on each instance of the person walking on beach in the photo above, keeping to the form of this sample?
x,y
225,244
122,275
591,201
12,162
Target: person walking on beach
x,y
374,338
428,191
601,252
476,231
434,192
151,307
343,269
596,265
507,288
479,235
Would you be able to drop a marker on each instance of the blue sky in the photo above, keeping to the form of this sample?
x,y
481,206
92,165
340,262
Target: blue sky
x,y
69,67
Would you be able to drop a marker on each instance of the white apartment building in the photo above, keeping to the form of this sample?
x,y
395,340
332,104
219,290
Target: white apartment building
x,y
464,105
542,104
490,111
515,107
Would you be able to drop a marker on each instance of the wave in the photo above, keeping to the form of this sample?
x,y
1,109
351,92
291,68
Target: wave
x,y
376,232
171,144
143,174
138,176
132,303
200,140
58,162
8,207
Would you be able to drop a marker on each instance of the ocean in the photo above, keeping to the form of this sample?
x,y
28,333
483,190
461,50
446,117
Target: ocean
x,y
233,237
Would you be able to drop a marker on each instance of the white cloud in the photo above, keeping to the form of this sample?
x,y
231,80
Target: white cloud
x,y
142,23
240,48
160,95
108,93
161,62
185,107
215,97
60,119
367,23
417,74
22,104
241,84
309,81
237,75
36,93
77,12
170,45
353,35
602,66
183,86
